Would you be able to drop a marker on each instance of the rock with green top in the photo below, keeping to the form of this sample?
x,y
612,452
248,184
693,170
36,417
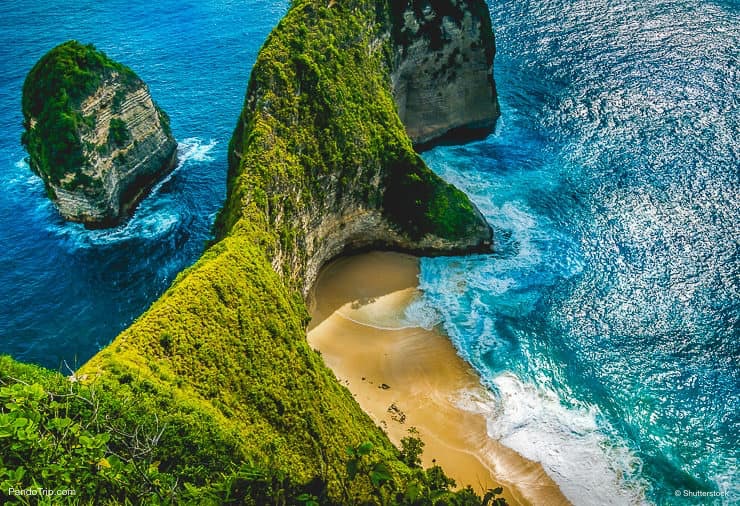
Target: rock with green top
x,y
93,134
338,98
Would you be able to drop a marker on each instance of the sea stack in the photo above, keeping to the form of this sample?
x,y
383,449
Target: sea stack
x,y
93,134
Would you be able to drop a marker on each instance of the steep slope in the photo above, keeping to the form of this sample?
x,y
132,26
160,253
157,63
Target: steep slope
x,y
321,151
93,134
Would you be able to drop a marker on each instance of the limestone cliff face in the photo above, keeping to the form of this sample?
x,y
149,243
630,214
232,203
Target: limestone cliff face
x,y
98,165
345,176
442,68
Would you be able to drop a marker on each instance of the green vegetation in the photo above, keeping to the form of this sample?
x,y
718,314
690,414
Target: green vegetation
x,y
213,396
319,124
53,431
411,448
118,134
164,119
126,446
52,93
422,203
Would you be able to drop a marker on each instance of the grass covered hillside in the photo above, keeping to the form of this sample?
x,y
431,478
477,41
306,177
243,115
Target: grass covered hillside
x,y
319,139
213,395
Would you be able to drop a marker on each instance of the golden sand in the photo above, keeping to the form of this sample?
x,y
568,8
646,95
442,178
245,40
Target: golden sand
x,y
411,377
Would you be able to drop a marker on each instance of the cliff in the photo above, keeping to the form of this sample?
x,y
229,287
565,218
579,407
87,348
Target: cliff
x,y
93,134
320,150
218,370
442,69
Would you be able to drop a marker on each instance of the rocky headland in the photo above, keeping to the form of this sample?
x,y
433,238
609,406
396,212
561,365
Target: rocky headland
x,y
217,377
93,134
347,110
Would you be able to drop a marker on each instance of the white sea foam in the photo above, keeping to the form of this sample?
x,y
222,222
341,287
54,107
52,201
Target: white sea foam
x,y
395,311
420,313
194,148
23,176
588,467
156,217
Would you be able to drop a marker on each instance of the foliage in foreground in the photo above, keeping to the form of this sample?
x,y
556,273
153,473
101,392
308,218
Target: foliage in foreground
x,y
77,440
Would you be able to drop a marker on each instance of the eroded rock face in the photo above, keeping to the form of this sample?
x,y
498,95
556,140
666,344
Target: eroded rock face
x,y
442,68
320,164
101,163
128,167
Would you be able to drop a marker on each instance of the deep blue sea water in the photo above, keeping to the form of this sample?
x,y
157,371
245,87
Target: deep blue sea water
x,y
67,291
606,325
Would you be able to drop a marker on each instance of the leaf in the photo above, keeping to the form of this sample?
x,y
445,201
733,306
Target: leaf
x,y
412,492
352,468
60,423
104,463
87,441
380,474
378,478
365,448
36,392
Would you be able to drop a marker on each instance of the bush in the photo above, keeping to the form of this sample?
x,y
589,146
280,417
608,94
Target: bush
x,y
118,134
411,448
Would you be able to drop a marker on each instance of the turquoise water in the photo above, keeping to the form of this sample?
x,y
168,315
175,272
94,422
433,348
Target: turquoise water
x,y
608,321
606,325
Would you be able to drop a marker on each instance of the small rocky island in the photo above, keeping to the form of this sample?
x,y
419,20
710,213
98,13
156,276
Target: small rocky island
x,y
93,134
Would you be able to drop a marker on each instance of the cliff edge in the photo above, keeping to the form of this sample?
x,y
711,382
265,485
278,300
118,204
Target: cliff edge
x,y
320,151
93,134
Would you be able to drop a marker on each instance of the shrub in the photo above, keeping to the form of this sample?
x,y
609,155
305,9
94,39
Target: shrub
x,y
118,134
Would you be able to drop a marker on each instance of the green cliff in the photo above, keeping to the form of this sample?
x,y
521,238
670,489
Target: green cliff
x,y
214,392
93,134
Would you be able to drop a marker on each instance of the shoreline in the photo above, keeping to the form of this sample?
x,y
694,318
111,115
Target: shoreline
x,y
406,376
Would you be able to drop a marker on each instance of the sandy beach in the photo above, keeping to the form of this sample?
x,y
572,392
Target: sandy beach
x,y
405,376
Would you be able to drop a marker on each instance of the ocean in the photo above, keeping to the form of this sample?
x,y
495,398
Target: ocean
x,y
606,323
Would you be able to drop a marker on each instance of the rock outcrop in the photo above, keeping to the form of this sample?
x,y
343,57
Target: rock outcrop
x,y
442,68
93,134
